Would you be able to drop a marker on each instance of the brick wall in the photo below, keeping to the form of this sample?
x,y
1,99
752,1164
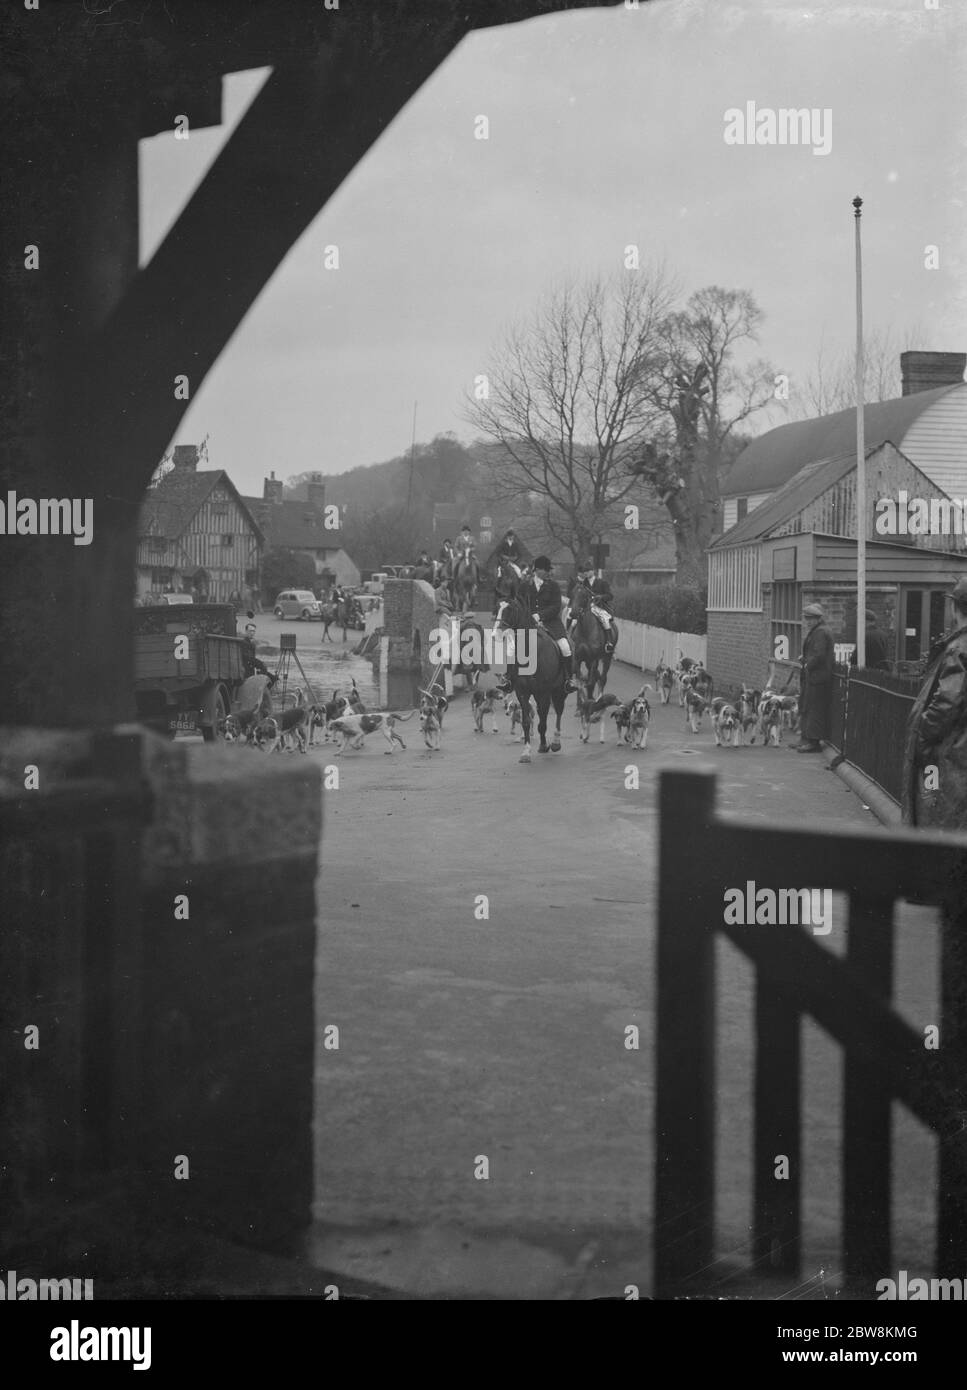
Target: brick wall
x,y
737,649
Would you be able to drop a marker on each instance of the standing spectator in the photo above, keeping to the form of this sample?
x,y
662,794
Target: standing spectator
x,y
876,651
935,755
816,680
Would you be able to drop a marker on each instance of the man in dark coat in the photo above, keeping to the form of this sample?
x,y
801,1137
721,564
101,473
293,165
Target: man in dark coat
x,y
876,651
250,662
816,681
542,596
935,755
601,600
511,549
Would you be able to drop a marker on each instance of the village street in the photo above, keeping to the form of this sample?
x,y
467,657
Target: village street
x,y
464,1037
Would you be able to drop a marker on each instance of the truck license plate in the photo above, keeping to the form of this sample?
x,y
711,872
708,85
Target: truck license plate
x,y
185,723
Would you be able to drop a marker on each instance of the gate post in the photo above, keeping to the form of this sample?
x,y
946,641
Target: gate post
x,y
685,1035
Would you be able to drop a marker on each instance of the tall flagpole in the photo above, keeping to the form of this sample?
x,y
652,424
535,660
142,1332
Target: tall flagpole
x,y
860,455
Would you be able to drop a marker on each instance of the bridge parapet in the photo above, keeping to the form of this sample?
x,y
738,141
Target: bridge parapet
x,y
409,617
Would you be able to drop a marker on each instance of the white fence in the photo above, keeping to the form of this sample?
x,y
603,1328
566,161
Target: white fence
x,y
642,646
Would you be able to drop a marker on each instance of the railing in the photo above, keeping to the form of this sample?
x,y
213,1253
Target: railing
x,y
884,1057
868,722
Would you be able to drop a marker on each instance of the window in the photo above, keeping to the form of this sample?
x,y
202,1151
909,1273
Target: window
x,y
160,577
227,540
733,580
741,508
787,616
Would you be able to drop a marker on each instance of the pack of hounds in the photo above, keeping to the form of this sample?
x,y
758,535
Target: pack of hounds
x,y
345,720
753,714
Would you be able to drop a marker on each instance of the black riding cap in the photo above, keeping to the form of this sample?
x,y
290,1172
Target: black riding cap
x,y
542,563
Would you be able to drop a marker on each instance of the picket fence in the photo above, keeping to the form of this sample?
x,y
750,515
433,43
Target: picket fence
x,y
642,645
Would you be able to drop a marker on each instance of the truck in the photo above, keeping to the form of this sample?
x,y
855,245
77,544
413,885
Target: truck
x,y
188,666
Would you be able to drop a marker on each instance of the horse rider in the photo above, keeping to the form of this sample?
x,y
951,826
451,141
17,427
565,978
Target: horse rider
x,y
465,543
601,600
446,554
511,552
542,596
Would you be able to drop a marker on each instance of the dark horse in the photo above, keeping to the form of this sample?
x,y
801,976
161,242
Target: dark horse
x,y
466,577
589,641
546,684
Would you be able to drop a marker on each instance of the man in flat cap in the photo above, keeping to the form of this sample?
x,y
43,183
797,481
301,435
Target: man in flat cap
x,y
935,755
816,680
876,651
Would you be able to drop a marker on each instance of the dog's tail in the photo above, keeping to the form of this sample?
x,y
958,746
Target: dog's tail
x,y
393,714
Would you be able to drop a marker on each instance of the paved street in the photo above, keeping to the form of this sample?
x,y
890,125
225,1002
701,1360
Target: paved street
x,y
503,1038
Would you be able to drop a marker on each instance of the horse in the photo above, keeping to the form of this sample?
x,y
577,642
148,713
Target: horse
x,y
328,613
466,577
507,581
589,641
470,671
546,685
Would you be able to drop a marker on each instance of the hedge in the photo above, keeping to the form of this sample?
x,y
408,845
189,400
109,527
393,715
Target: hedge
x,y
664,605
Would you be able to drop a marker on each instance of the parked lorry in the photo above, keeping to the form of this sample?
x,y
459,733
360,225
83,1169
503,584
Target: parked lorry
x,y
187,667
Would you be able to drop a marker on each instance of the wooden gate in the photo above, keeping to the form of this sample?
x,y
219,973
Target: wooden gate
x,y
701,855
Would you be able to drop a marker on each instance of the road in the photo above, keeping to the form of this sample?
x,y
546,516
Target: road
x,y
467,1035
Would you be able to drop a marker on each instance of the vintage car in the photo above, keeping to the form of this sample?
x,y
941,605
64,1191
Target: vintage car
x,y
297,603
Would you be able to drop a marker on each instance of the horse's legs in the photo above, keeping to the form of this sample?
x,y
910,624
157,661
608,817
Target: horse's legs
x,y
558,713
525,724
543,706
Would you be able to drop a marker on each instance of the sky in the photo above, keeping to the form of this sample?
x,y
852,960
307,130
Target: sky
x,y
606,128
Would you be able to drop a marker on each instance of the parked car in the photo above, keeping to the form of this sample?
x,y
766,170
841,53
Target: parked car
x,y
298,603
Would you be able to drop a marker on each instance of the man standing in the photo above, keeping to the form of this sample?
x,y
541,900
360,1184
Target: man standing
x,y
876,657
935,755
816,680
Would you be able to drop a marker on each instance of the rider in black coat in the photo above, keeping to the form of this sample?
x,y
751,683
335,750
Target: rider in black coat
x,y
542,596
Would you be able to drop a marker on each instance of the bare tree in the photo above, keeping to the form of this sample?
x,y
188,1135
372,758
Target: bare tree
x,y
831,385
564,402
702,395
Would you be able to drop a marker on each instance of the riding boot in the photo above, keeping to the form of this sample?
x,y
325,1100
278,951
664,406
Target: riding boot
x,y
570,684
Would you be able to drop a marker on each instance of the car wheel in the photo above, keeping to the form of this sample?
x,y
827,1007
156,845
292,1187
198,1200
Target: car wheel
x,y
306,615
279,614
215,733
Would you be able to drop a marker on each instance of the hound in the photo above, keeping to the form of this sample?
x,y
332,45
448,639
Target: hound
x,y
639,718
429,723
665,680
513,712
283,731
485,702
695,707
726,723
353,728
590,710
770,718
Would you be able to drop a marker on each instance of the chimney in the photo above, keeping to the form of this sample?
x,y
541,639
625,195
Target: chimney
x,y
272,489
316,493
185,457
925,371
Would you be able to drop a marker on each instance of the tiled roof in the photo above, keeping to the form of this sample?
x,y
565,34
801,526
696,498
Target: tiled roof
x,y
775,457
168,508
294,525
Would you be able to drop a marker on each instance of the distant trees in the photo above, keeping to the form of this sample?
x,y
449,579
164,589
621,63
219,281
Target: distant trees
x,y
831,384
605,387
286,569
